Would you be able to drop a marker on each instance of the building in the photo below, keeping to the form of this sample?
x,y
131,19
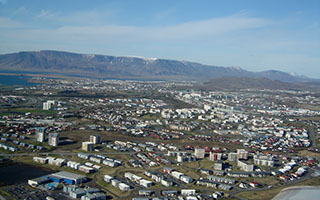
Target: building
x,y
67,177
232,157
145,192
222,180
186,158
219,165
188,192
38,181
215,156
53,139
95,139
48,105
41,134
245,166
263,160
186,179
87,146
199,152
242,154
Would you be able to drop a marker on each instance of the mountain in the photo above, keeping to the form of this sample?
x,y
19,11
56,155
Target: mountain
x,y
102,66
250,83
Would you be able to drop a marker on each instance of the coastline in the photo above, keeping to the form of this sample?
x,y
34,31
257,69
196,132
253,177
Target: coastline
x,y
298,192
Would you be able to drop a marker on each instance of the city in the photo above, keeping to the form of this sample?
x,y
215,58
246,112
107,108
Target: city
x,y
159,100
121,139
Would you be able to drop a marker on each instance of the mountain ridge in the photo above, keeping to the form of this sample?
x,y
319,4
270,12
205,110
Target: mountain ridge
x,y
131,67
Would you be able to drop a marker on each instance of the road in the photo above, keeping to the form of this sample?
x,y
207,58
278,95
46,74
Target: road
x,y
68,153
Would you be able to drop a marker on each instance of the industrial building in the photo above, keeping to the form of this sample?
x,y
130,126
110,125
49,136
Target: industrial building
x,y
67,177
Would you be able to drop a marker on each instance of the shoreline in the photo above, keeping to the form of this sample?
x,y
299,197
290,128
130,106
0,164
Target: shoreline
x,y
298,192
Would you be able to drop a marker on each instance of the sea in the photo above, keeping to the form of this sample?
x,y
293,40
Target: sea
x,y
21,173
18,80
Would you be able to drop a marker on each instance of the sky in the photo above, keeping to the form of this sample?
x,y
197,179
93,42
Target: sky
x,y
254,35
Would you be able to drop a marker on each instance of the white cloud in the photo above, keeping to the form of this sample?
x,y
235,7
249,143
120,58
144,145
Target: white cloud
x,y
21,11
6,23
195,30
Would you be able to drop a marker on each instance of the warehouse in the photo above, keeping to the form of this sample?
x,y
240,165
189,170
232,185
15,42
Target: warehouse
x,y
67,177
38,181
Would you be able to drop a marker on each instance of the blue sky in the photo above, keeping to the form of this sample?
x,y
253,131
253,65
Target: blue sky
x,y
254,35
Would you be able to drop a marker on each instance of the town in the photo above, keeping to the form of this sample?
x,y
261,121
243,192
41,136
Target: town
x,y
126,139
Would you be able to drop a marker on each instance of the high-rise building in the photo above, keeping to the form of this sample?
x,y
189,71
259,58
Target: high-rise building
x,y
199,152
41,134
242,154
53,139
219,165
87,146
48,104
215,156
96,139
232,157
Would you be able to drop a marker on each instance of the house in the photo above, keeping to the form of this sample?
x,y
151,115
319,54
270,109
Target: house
x,y
169,193
254,184
145,192
186,179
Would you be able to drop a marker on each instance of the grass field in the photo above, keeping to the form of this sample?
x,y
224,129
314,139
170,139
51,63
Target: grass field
x,y
35,111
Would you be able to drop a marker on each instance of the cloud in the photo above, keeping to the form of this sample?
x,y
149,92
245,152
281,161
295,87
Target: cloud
x,y
21,11
6,23
43,13
195,30
207,28
165,14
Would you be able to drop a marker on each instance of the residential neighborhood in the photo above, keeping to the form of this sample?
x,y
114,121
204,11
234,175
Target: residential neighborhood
x,y
118,139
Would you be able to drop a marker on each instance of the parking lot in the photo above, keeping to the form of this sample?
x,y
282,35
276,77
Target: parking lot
x,y
23,191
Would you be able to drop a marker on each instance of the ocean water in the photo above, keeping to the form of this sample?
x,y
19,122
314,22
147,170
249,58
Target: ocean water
x,y
15,80
20,172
